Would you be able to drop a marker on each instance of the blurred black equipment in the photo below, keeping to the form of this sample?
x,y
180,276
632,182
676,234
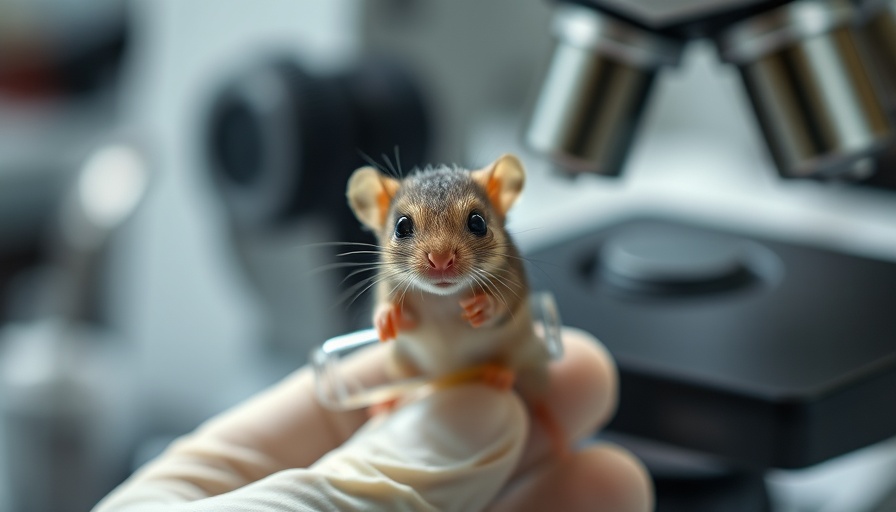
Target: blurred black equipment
x,y
281,143
57,50
60,68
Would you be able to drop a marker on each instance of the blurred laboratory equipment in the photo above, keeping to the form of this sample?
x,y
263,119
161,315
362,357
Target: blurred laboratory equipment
x,y
813,97
748,340
761,353
67,397
598,62
723,353
60,66
812,92
67,386
281,144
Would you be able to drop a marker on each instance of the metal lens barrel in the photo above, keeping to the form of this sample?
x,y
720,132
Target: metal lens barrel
x,y
810,88
595,89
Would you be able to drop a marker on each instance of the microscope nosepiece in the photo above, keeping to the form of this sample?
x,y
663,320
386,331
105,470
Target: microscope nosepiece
x,y
595,89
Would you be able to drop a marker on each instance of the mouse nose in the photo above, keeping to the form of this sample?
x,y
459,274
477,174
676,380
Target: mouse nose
x,y
441,260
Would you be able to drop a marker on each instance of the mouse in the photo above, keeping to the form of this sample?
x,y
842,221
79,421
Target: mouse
x,y
450,289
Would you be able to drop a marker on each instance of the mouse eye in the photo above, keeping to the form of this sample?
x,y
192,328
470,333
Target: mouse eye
x,y
476,224
404,227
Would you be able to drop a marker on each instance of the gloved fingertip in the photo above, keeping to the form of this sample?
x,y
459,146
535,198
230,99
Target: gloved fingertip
x,y
456,447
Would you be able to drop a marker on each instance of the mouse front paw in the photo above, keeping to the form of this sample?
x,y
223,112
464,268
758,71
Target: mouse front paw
x,y
498,377
389,320
382,407
478,309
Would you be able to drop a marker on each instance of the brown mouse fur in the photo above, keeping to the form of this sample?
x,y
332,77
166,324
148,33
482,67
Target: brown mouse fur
x,y
451,294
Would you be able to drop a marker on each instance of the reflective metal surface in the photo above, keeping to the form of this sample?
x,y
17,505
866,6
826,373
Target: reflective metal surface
x,y
595,89
878,27
766,33
810,88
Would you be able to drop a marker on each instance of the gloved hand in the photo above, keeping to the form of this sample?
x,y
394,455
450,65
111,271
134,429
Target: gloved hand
x,y
466,448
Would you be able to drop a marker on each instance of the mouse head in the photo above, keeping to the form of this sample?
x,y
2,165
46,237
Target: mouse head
x,y
441,229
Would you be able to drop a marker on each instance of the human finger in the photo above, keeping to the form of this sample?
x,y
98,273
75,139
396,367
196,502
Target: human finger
x,y
602,477
285,426
289,425
452,450
582,395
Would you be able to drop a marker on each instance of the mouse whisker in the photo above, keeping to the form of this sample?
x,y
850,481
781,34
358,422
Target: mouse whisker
x,y
366,284
534,262
495,289
398,161
385,275
503,298
505,270
332,244
479,283
514,233
483,283
352,253
510,276
360,293
335,266
397,286
391,167
373,163
502,281
410,280
356,272
524,258
344,264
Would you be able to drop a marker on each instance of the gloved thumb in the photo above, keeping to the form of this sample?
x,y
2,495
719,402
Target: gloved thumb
x,y
452,450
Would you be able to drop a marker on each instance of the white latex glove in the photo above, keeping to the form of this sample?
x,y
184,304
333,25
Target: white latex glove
x,y
464,448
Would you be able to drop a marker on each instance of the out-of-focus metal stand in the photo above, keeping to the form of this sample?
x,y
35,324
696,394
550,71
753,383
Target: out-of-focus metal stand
x,y
67,394
69,179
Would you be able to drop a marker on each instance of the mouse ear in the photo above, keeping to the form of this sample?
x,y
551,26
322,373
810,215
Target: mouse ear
x,y
503,181
369,194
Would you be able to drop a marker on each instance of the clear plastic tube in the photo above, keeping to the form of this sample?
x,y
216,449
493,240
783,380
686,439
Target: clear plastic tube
x,y
339,387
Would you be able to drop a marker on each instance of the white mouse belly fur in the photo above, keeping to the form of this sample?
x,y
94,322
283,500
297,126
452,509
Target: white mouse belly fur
x,y
444,342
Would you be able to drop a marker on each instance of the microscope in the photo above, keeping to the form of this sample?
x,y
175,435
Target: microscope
x,y
758,352
814,95
738,353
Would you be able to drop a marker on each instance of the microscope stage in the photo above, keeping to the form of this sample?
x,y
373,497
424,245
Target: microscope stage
x,y
766,353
